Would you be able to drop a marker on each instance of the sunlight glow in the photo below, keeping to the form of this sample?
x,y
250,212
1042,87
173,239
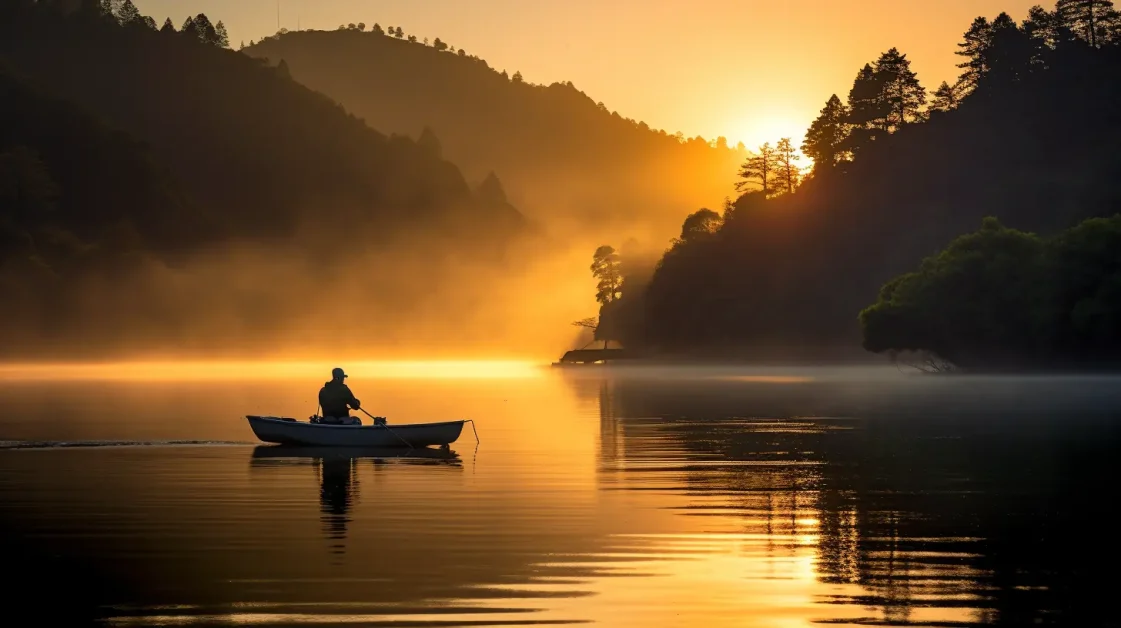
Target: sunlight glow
x,y
755,130
181,371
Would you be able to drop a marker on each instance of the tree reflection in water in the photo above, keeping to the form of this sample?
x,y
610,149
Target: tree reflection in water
x,y
978,501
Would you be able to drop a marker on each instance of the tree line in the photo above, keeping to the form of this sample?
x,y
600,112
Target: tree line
x,y
566,156
1027,133
886,94
1001,297
114,177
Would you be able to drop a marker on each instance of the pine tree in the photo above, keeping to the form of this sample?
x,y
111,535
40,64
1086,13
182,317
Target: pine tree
x,y
1042,26
127,13
1094,21
760,169
867,110
945,98
377,29
976,42
901,93
1009,55
789,175
605,268
221,38
825,139
204,29
518,77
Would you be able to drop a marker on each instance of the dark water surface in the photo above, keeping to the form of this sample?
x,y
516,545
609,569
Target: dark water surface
x,y
646,497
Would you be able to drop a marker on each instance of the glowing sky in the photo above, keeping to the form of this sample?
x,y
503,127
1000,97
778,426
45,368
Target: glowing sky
x,y
750,70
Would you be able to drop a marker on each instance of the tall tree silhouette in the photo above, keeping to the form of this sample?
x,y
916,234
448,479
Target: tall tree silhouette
x,y
1095,21
1009,55
760,169
439,45
221,37
825,139
377,30
201,28
973,47
1045,28
605,268
867,110
945,98
902,95
788,174
127,13
168,26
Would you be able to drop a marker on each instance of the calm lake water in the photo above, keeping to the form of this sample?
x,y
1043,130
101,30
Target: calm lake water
x,y
645,497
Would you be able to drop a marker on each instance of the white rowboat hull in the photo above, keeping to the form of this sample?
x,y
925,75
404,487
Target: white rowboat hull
x,y
291,432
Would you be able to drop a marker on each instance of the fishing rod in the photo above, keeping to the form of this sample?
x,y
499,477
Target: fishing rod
x,y
407,443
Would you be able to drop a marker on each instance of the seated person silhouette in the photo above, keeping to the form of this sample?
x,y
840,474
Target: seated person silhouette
x,y
336,400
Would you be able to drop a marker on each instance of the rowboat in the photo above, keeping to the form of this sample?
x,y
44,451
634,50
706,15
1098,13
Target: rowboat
x,y
287,431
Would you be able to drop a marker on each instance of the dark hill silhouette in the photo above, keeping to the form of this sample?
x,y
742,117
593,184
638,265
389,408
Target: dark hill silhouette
x,y
191,154
59,207
562,156
261,153
1033,143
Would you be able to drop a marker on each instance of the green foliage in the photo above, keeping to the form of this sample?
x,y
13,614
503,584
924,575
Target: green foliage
x,y
1001,297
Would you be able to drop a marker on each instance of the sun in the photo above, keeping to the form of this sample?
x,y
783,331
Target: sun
x,y
754,131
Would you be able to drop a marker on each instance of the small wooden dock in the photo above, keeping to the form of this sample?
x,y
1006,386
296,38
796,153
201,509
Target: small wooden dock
x,y
592,356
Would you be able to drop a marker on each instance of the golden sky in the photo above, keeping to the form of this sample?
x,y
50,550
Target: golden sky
x,y
750,70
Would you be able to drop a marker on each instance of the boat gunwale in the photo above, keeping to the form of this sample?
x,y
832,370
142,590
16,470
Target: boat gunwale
x,y
295,422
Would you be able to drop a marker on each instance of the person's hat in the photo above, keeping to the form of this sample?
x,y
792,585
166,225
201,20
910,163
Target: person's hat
x,y
338,373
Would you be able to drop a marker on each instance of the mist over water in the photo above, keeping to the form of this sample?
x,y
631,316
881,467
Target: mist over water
x,y
641,496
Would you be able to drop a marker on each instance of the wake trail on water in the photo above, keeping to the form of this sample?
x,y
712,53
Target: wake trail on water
x,y
66,444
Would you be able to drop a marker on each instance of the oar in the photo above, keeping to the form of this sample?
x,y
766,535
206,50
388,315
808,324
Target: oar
x,y
407,443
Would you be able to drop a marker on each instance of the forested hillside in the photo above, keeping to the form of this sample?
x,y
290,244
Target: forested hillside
x,y
1028,135
120,137
564,158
